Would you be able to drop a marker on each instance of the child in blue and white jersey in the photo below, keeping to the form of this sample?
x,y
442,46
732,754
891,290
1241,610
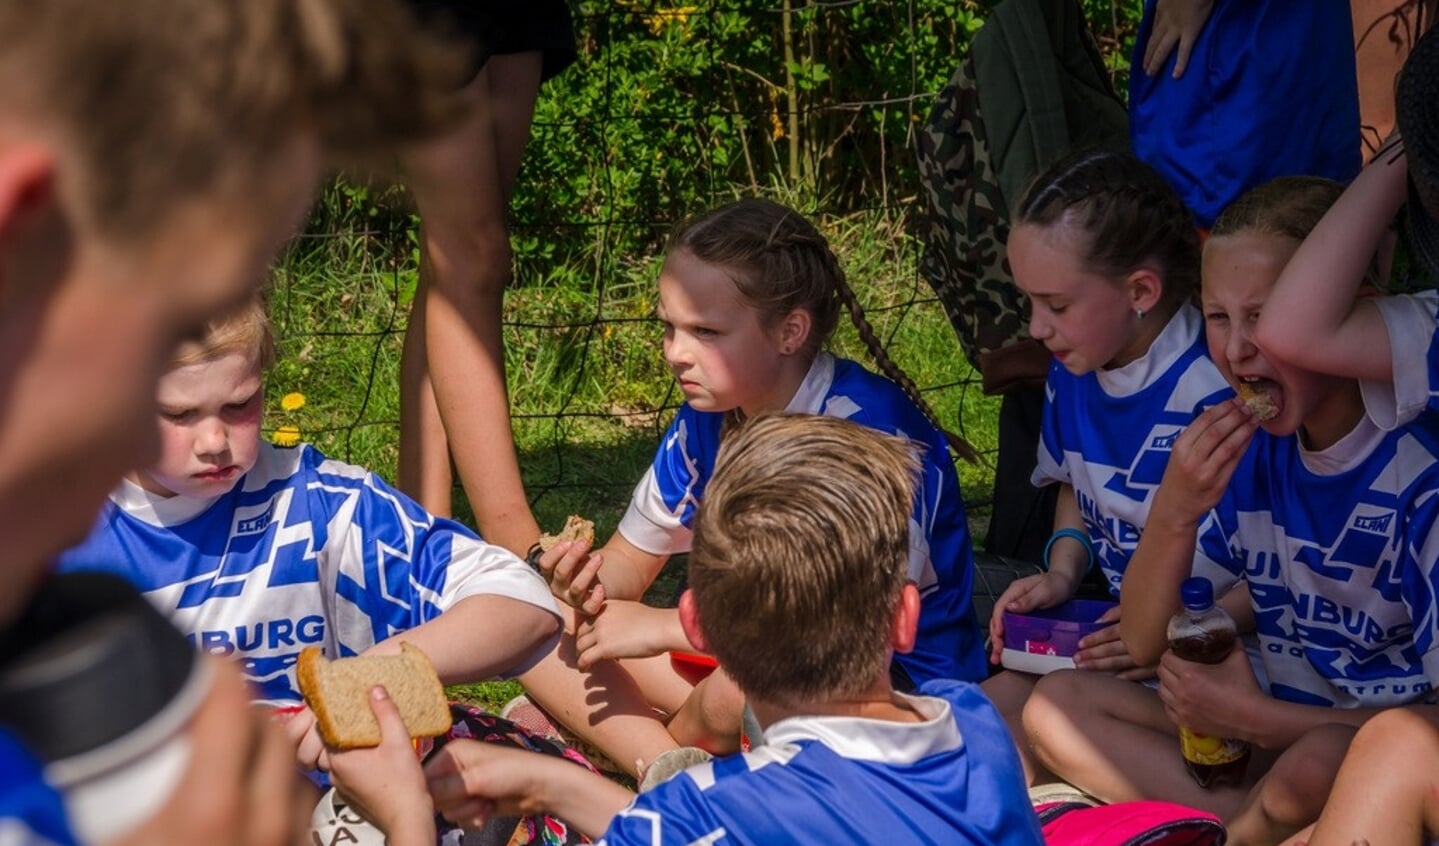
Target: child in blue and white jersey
x,y
1109,258
256,551
1389,342
800,585
1330,521
749,294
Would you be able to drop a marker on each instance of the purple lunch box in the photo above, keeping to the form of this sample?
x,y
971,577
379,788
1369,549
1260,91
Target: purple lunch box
x,y
1043,641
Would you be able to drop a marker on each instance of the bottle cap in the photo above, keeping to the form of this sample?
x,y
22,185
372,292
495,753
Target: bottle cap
x,y
1197,593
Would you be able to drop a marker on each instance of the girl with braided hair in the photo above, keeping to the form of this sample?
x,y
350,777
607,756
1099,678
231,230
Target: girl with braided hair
x,y
1108,256
749,295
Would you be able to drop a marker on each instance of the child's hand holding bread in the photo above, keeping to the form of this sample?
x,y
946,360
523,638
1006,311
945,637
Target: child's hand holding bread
x,y
384,783
565,562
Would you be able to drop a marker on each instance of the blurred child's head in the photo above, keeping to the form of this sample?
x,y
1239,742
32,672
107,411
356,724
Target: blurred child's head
x,y
1106,252
801,549
749,294
1251,242
210,404
153,156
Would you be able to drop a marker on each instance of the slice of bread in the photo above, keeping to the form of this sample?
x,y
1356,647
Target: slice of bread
x,y
576,529
1258,402
339,694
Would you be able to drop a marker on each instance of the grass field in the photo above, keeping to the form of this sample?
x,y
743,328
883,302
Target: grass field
x,y
590,394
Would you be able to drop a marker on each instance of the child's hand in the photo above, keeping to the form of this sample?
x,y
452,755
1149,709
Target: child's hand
x,y
385,783
471,781
1104,652
1211,699
1203,460
1177,23
304,736
627,629
573,575
1042,590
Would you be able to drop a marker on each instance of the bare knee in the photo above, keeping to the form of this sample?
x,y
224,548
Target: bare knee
x,y
466,258
1048,713
1294,791
1400,735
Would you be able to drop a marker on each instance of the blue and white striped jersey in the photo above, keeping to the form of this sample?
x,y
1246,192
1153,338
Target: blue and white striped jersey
x,y
1109,433
954,778
949,643
1339,548
302,551
1412,321
31,811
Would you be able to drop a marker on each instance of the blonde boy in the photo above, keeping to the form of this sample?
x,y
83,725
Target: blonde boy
x,y
798,586
153,155
256,551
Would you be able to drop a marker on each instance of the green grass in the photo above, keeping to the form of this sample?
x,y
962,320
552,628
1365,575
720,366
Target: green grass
x,y
590,394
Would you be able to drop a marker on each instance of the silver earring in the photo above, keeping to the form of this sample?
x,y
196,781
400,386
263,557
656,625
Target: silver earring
x,y
1139,312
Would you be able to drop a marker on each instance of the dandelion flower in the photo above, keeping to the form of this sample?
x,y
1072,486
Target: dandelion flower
x,y
285,436
293,401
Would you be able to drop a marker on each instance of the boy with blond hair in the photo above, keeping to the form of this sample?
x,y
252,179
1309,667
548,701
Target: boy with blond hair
x,y
257,551
798,586
153,155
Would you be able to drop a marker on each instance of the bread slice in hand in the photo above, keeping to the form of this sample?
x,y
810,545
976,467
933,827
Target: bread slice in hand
x,y
338,692
576,529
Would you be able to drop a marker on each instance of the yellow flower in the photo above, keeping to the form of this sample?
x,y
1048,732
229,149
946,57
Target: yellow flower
x,y
293,401
285,436
661,18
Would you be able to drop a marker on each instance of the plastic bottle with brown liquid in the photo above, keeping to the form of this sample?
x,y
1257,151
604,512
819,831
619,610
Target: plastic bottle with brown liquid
x,y
1204,632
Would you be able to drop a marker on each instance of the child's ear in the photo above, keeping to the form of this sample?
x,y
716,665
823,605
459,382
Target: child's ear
x,y
27,183
690,621
1146,289
906,619
794,330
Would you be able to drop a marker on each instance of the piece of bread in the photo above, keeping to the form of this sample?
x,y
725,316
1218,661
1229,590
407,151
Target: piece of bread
x,y
339,693
1258,402
576,529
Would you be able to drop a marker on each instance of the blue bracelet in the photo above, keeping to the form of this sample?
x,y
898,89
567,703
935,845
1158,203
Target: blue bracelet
x,y
1082,537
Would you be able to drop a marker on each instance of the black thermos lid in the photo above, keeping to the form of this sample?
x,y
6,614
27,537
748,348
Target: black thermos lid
x,y
89,661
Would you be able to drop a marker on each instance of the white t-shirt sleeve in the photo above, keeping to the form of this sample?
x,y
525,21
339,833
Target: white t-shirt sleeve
x,y
1410,321
661,511
1049,465
651,524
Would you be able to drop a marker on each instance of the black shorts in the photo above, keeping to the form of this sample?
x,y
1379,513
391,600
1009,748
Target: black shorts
x,y
503,27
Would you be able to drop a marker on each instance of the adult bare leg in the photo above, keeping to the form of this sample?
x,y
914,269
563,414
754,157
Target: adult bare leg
x,y
462,184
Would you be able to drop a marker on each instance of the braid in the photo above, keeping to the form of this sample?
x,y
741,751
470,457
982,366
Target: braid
x,y
866,333
1131,215
781,262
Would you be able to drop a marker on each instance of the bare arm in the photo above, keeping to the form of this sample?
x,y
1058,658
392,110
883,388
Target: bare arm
x,y
584,579
627,629
1237,604
1314,297
1068,560
480,637
1068,556
1224,700
472,781
628,571
1200,466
